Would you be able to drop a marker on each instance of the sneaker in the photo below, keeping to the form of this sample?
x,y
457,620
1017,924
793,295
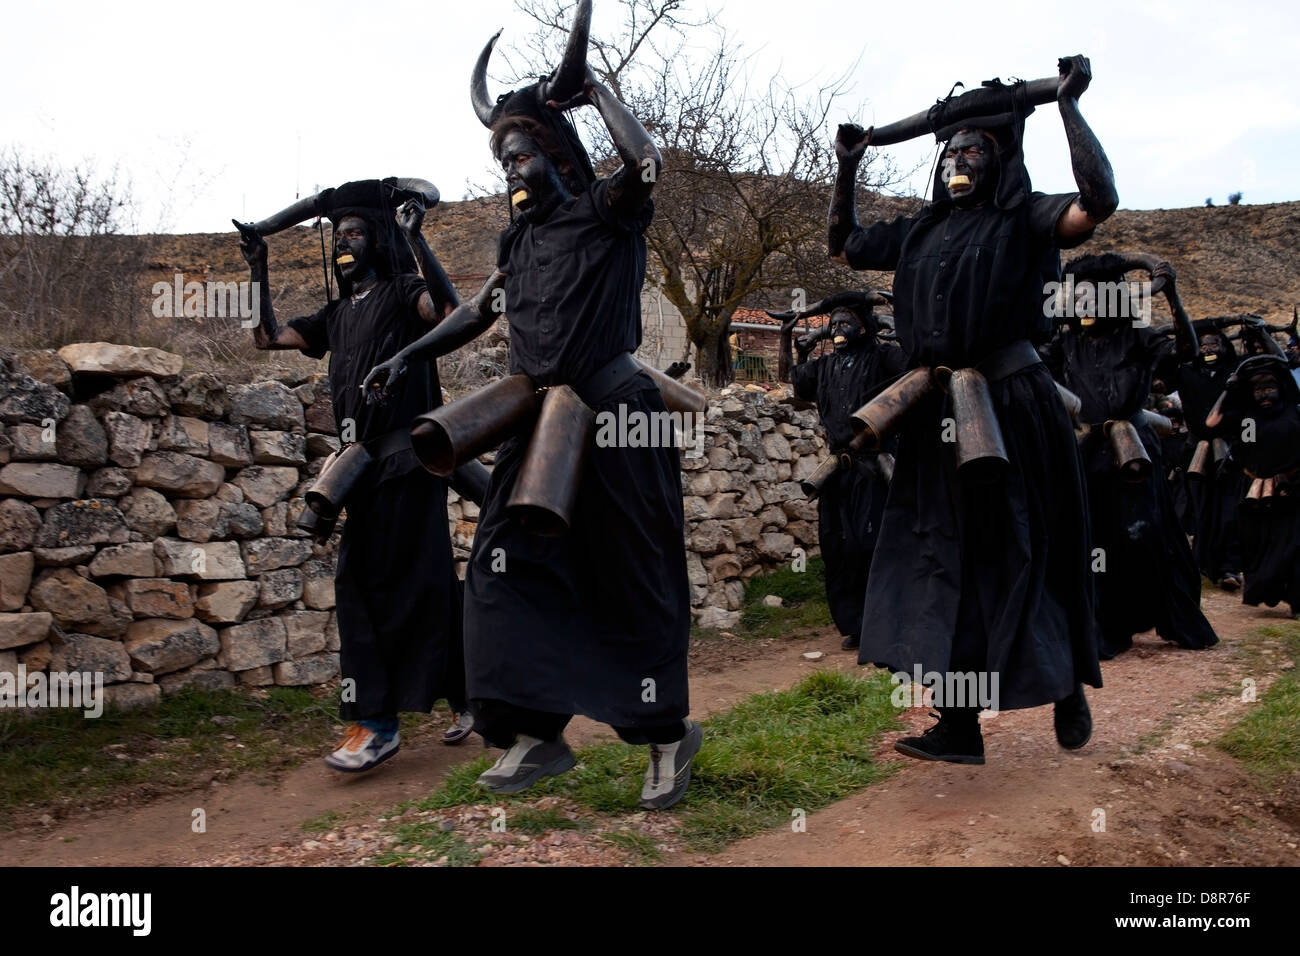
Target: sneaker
x,y
1230,582
526,762
362,749
1073,720
952,740
850,643
669,772
462,725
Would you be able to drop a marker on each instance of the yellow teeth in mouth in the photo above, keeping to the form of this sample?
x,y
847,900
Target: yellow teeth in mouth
x,y
1211,358
958,180
1087,322
839,340
345,260
518,196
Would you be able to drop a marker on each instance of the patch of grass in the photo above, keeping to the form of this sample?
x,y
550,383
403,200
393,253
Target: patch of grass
x,y
322,824
421,843
803,596
762,761
62,758
1267,739
642,847
536,821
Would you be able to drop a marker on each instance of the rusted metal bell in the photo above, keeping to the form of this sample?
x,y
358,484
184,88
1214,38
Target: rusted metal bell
x,y
1200,461
1255,495
1219,448
313,524
337,478
1130,457
981,452
813,484
450,435
1162,426
880,417
677,397
1073,403
885,467
471,481
547,487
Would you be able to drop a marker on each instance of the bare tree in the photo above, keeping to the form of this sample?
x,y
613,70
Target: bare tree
x,y
740,209
65,266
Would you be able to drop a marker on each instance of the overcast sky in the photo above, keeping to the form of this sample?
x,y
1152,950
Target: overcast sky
x,y
227,109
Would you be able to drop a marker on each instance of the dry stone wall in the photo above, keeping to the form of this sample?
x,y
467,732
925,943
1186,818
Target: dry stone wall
x,y
147,519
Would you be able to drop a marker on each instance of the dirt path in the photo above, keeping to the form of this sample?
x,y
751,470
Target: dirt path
x,y
1168,795
246,815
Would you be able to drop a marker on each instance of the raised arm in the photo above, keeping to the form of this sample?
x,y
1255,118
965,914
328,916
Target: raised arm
x,y
440,298
1092,172
467,322
266,334
850,145
630,187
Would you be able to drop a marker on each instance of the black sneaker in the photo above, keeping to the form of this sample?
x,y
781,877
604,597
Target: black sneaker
x,y
850,643
526,762
1073,720
952,740
669,771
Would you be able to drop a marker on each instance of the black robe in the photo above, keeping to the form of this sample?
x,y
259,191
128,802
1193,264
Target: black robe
x,y
852,501
1149,578
1270,529
395,587
596,622
1215,495
991,579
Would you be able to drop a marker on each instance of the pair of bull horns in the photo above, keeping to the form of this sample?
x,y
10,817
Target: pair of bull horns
x,y
564,83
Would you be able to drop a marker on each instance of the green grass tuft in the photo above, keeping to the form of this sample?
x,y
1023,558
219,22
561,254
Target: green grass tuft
x,y
1267,739
803,594
763,760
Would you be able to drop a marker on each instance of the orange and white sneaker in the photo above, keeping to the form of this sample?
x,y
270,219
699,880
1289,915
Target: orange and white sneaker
x,y
362,749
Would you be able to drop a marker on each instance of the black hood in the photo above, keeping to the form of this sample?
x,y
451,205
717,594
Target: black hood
x,y
376,202
1013,186
1276,367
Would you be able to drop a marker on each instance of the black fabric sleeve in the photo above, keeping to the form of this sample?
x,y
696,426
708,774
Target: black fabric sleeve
x,y
598,197
804,379
314,330
879,245
1045,212
410,286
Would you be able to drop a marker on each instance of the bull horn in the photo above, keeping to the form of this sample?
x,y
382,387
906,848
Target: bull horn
x,y
568,78
478,91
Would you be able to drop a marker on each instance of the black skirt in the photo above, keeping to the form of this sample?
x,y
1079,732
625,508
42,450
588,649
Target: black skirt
x,y
596,622
849,510
992,577
398,601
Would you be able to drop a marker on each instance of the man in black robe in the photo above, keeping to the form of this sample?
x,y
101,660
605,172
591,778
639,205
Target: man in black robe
x,y
1261,410
1215,489
852,501
597,621
1145,574
988,580
397,598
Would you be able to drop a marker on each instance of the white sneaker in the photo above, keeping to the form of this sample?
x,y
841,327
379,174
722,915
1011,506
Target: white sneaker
x,y
461,727
362,749
669,772
527,761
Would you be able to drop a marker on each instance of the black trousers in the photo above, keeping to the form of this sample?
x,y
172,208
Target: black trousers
x,y
499,722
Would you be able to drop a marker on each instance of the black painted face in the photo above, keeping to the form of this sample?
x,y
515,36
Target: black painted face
x,y
533,182
1211,349
1265,391
846,329
352,247
969,168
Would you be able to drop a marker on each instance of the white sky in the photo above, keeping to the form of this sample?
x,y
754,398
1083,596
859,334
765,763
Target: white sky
x,y
225,109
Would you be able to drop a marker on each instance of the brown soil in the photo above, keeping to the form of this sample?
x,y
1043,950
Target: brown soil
x,y
1169,795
